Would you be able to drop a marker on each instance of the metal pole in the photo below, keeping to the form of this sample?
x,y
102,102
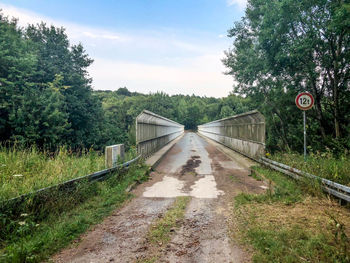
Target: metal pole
x,y
304,115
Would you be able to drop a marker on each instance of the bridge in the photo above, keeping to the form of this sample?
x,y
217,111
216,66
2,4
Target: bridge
x,y
197,166
190,193
244,133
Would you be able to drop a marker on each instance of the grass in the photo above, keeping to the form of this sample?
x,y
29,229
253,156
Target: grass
x,y
289,223
256,176
161,231
26,170
321,164
282,189
34,241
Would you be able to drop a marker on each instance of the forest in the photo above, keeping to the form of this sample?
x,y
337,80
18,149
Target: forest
x,y
279,48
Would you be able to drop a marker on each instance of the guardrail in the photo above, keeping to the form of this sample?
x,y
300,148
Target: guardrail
x,y
64,187
244,133
335,189
154,131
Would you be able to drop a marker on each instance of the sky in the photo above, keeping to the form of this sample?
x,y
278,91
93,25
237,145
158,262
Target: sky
x,y
145,45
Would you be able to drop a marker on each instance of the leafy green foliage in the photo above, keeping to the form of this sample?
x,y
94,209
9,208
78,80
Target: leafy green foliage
x,y
284,47
24,171
121,107
46,97
280,48
45,93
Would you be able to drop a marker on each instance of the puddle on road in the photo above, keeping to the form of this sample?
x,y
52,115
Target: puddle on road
x,y
204,187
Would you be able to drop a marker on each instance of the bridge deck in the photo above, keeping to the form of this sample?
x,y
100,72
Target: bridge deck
x,y
193,167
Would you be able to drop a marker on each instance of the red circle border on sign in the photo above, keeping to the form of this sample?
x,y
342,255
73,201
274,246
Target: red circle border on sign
x,y
301,94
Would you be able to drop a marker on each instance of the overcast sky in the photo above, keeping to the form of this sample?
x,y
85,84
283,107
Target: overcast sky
x,y
145,45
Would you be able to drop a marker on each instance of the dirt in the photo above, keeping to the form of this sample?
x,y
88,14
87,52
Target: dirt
x,y
210,177
120,237
190,165
203,237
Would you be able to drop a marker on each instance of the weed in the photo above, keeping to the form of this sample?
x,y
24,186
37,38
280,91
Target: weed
x,y
283,189
324,165
290,224
256,176
25,170
339,235
160,230
32,240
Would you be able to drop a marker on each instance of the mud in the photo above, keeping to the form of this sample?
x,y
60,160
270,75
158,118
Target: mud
x,y
120,237
202,237
190,165
210,177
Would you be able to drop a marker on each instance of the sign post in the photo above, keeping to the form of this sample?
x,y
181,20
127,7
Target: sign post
x,y
304,101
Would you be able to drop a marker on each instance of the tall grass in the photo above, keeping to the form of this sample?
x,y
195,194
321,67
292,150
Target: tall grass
x,y
289,223
26,170
33,238
325,165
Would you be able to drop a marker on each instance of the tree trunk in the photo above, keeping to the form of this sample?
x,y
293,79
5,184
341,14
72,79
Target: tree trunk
x,y
336,110
283,134
319,110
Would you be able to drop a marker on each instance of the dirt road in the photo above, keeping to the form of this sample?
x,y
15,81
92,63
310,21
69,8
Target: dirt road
x,y
195,168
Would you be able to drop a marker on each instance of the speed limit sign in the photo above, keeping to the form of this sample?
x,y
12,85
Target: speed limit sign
x,y
304,101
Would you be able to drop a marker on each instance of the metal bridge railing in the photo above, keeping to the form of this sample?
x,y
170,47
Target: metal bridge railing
x,y
154,131
244,133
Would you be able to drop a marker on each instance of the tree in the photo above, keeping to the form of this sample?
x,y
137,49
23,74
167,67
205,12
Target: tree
x,y
226,111
284,47
17,59
40,118
123,91
57,57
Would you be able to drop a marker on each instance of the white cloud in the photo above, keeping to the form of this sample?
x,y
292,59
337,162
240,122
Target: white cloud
x,y
194,76
76,32
106,35
146,61
240,3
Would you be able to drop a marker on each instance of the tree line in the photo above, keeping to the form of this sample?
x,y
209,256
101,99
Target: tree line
x,y
121,108
46,98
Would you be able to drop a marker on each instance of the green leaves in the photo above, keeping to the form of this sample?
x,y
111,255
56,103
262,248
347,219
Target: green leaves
x,y
281,48
45,93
